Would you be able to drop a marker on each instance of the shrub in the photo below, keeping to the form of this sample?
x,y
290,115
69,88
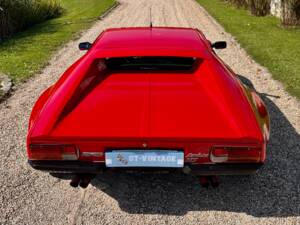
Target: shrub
x,y
259,7
17,15
290,15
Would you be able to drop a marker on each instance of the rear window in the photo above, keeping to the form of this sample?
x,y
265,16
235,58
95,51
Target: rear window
x,y
151,63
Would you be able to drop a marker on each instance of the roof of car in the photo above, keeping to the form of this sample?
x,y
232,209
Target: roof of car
x,y
149,39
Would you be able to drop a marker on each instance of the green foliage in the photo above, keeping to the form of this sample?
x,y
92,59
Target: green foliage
x,y
18,15
270,44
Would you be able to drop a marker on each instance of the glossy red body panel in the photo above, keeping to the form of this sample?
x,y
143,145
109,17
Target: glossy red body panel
x,y
189,110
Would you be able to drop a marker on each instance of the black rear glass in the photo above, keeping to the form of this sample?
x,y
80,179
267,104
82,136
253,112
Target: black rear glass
x,y
151,63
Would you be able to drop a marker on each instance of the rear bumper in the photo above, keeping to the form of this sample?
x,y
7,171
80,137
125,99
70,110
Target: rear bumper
x,y
96,168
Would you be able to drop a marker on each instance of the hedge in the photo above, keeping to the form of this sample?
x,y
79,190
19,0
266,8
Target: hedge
x,y
17,15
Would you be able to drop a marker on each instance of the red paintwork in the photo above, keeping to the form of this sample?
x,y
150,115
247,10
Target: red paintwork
x,y
194,111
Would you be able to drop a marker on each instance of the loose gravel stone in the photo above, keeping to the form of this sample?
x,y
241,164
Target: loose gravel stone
x,y
272,196
5,85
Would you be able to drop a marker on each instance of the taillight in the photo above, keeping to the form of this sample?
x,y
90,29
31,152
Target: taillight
x,y
235,154
92,156
52,152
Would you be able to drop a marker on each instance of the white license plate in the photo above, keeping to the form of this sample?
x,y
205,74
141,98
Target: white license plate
x,y
144,158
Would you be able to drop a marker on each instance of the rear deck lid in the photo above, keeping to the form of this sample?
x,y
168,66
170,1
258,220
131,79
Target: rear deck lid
x,y
157,104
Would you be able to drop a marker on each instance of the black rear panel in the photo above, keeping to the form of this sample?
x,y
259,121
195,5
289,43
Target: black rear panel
x,y
151,63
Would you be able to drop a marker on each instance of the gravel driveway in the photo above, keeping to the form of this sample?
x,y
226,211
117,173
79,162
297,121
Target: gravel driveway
x,y
270,197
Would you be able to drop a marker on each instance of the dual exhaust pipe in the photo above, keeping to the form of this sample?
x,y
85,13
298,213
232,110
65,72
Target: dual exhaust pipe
x,y
82,180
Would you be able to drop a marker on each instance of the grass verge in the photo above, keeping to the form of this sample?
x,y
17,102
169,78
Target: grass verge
x,y
264,39
27,52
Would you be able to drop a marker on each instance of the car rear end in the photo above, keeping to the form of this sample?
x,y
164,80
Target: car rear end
x,y
200,158
153,113
168,111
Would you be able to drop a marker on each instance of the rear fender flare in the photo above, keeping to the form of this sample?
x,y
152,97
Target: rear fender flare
x,y
39,105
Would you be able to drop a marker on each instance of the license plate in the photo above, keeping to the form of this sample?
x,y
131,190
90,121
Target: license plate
x,y
144,158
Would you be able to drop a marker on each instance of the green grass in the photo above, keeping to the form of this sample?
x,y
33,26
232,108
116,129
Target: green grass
x,y
28,52
271,45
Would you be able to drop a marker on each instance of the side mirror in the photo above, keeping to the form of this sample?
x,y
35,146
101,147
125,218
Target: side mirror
x,y
219,45
85,46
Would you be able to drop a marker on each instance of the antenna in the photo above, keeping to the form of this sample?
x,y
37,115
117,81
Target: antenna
x,y
150,18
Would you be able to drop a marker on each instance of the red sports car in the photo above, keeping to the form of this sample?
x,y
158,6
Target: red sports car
x,y
148,98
